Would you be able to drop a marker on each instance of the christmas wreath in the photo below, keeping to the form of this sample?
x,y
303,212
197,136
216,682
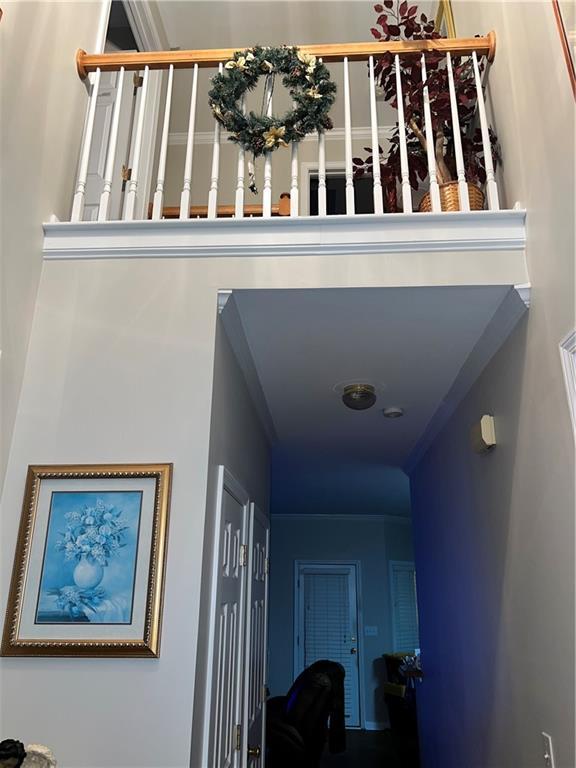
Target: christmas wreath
x,y
305,77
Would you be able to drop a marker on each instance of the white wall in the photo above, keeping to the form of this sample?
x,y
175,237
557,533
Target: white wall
x,y
41,128
374,543
120,368
494,535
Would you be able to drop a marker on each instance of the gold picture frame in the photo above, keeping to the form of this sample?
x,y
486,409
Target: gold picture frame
x,y
88,574
444,22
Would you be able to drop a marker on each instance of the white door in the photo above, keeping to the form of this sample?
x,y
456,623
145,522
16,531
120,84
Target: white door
x,y
254,717
327,624
228,612
108,93
404,606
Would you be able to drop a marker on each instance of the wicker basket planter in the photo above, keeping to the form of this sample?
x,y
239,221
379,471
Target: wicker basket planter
x,y
449,199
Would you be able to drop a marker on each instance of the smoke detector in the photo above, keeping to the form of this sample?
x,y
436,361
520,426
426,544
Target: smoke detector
x,y
393,412
359,397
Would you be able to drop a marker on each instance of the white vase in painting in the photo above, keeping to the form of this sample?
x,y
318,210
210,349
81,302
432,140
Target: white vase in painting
x,y
88,573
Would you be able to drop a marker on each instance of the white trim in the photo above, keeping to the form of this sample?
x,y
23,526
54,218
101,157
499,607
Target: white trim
x,y
391,565
286,236
568,357
298,666
102,33
298,517
148,34
333,168
232,323
223,296
524,290
180,138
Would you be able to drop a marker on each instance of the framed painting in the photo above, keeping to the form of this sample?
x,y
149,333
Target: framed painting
x,y
444,22
88,572
565,14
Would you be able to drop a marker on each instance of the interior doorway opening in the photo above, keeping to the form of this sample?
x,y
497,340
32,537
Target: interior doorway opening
x,y
333,484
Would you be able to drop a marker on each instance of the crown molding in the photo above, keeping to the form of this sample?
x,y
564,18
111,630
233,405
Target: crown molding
x,y
524,290
299,517
361,133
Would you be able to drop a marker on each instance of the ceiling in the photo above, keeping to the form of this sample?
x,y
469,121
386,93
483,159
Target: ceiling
x,y
241,24
410,343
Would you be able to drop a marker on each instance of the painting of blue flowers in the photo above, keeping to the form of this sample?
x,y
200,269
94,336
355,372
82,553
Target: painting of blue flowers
x,y
90,557
89,563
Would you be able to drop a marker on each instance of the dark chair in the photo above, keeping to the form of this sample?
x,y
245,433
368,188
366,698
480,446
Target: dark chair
x,y
299,724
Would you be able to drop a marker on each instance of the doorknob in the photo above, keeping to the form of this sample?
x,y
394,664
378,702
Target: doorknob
x,y
254,751
353,650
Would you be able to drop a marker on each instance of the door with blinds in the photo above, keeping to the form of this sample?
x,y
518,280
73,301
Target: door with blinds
x,y
404,606
326,625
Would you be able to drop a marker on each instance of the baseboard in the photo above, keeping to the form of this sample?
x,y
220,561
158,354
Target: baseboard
x,y
372,725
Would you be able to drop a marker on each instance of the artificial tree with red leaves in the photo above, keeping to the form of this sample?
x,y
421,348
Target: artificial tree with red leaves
x,y
398,20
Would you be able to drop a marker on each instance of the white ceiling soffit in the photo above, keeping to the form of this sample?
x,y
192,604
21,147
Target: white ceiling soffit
x,y
422,348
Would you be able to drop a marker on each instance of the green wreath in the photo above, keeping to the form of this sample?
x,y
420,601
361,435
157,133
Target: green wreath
x,y
305,77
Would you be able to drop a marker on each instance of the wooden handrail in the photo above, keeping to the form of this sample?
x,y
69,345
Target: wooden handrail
x,y
110,62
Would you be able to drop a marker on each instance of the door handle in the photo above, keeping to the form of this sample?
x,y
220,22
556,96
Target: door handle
x,y
254,751
353,650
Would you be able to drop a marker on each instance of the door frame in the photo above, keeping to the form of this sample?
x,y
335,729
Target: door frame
x,y
403,564
360,626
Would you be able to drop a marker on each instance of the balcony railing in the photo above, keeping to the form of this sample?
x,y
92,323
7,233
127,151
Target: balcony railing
x,y
152,150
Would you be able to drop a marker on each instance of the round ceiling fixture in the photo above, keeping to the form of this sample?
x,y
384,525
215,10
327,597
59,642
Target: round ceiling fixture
x,y
392,412
359,396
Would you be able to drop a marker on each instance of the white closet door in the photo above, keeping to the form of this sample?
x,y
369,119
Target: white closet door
x,y
327,616
256,640
228,610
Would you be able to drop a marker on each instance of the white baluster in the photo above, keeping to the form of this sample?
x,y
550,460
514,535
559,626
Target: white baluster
x,y
294,191
460,171
239,204
187,188
491,186
434,190
78,202
213,193
159,193
133,183
377,190
348,142
404,170
267,189
321,172
104,207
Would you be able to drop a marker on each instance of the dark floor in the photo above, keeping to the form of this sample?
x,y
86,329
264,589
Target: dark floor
x,y
365,749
